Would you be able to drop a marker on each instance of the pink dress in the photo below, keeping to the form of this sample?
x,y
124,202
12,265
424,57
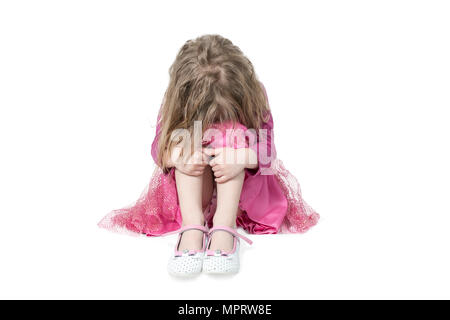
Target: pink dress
x,y
271,200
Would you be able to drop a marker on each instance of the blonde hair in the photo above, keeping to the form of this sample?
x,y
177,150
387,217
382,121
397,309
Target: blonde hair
x,y
212,81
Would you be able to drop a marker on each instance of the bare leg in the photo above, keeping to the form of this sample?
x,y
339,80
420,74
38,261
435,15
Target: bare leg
x,y
192,196
228,195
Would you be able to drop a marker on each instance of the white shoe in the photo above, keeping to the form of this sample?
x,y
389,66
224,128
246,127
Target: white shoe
x,y
187,262
220,261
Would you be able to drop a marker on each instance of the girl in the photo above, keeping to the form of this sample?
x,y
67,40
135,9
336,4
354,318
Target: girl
x,y
217,166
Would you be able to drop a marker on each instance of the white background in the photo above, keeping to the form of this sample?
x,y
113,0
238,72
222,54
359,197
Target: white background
x,y
359,91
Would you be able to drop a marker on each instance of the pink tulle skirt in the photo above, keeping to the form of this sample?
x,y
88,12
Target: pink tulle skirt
x,y
268,204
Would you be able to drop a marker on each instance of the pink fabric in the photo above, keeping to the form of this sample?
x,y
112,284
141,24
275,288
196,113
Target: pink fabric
x,y
271,200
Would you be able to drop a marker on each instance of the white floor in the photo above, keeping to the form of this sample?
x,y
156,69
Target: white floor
x,y
348,255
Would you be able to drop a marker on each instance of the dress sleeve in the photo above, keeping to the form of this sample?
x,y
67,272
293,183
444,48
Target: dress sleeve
x,y
264,146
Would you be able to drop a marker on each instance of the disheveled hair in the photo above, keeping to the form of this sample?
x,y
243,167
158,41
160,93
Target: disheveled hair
x,y
212,81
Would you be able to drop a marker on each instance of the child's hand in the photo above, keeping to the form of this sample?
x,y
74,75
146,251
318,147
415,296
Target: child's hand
x,y
228,162
193,166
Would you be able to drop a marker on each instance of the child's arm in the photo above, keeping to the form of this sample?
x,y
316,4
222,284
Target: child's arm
x,y
187,168
228,162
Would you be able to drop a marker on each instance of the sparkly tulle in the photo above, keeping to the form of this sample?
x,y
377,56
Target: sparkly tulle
x,y
156,212
299,215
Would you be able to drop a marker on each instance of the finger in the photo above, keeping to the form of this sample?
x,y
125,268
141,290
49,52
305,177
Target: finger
x,y
221,179
218,174
196,173
217,160
199,166
216,167
192,163
186,171
205,158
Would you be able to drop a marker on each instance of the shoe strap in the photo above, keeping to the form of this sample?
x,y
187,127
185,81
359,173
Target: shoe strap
x,y
232,231
187,228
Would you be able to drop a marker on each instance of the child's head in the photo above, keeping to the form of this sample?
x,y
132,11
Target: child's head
x,y
212,81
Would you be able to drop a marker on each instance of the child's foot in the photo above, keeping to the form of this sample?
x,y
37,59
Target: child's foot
x,y
191,240
220,259
187,260
221,240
